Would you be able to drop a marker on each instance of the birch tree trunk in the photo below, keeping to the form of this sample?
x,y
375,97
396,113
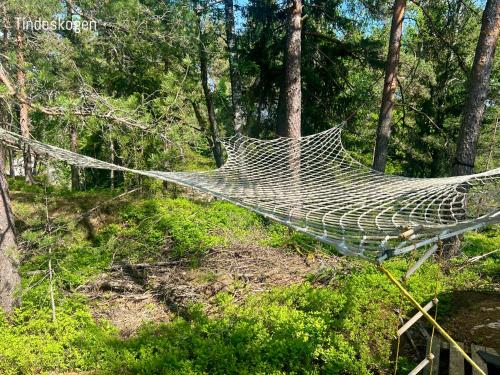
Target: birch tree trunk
x,y
238,116
478,90
390,83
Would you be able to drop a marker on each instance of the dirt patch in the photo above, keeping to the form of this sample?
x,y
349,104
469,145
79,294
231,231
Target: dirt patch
x,y
129,313
474,317
121,297
129,294
238,270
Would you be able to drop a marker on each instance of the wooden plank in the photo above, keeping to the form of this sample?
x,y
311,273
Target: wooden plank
x,y
435,350
419,262
456,360
419,367
415,317
479,361
492,352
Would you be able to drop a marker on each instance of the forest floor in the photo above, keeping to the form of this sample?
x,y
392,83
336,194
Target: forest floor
x,y
475,318
129,294
148,282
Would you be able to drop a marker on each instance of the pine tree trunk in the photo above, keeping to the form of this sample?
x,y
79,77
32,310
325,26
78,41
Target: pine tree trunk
x,y
390,83
24,119
75,171
6,116
465,156
478,90
291,98
9,263
293,92
214,128
238,116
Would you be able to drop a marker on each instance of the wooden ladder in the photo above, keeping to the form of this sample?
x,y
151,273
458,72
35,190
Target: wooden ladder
x,y
456,362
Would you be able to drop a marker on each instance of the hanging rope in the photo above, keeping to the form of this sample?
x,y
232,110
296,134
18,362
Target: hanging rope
x,y
436,291
396,363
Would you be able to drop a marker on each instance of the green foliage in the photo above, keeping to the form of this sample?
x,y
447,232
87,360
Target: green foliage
x,y
279,235
31,343
142,68
193,227
340,322
292,330
475,245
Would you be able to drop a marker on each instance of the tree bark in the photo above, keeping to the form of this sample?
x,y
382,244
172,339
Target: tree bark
x,y
214,128
479,79
75,171
390,84
4,116
478,90
112,159
238,115
24,118
292,85
9,263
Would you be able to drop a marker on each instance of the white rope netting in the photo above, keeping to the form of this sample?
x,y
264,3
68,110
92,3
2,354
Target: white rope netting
x,y
314,186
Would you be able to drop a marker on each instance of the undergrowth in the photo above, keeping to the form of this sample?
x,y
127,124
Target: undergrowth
x,y
340,322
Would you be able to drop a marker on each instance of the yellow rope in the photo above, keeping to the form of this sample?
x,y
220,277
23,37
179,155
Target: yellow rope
x,y
398,347
397,335
438,274
430,319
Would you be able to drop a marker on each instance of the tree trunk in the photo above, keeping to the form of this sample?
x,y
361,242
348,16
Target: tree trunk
x,y
9,263
479,79
4,116
291,100
478,90
11,155
390,83
238,117
112,160
292,86
214,129
75,171
24,119
3,110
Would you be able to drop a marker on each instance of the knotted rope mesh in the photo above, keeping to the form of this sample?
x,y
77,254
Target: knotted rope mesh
x,y
314,186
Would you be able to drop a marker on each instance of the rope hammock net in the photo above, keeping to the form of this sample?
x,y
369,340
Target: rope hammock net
x,y
314,186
